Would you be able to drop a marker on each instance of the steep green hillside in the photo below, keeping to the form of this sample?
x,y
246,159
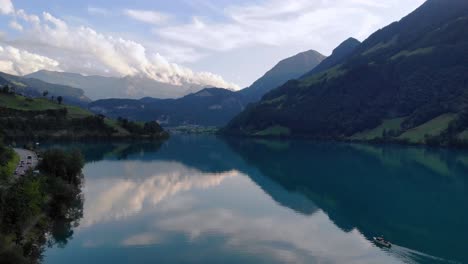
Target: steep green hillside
x,y
416,68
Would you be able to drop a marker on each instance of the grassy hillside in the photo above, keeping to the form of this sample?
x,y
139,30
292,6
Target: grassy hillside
x,y
392,129
18,102
387,126
432,128
39,118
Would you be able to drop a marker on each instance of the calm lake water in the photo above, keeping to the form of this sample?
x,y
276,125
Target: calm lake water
x,y
200,199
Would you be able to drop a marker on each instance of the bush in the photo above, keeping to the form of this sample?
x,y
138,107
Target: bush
x,y
60,164
8,162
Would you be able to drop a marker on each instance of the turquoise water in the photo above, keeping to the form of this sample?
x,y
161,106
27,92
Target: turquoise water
x,y
200,199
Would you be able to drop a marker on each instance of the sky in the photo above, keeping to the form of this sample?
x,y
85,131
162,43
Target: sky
x,y
217,43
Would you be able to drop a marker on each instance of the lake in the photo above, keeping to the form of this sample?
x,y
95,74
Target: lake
x,y
202,199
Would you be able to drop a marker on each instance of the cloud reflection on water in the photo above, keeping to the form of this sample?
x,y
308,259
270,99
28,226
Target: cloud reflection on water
x,y
120,195
297,204
162,197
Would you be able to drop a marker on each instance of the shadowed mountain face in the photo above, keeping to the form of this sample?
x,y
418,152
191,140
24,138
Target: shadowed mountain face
x,y
209,107
339,55
290,68
35,87
413,69
99,87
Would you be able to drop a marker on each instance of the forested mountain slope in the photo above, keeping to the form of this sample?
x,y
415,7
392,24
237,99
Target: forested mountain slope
x,y
411,73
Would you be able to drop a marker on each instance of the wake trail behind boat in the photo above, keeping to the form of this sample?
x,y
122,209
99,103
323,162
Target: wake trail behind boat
x,y
413,256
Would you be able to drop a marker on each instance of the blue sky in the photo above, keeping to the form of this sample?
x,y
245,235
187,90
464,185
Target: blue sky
x,y
210,42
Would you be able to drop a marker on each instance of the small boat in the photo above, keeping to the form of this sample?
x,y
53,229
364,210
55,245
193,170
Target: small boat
x,y
381,242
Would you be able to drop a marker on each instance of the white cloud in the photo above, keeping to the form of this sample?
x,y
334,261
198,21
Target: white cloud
x,y
33,19
179,54
284,23
15,25
97,10
20,62
83,49
6,7
151,17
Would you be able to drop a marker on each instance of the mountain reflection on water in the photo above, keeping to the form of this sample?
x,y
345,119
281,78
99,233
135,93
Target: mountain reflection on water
x,y
201,199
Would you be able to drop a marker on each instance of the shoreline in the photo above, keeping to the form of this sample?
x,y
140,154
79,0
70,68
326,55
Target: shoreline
x,y
377,142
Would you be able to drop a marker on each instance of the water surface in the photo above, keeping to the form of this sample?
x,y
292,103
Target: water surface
x,y
200,199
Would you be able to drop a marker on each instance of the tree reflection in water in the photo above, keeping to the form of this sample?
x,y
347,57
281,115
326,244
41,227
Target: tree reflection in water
x,y
37,212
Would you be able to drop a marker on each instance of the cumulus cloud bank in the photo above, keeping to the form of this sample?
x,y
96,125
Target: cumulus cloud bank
x,y
6,7
20,62
57,45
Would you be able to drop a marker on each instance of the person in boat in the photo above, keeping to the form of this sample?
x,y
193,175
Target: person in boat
x,y
380,240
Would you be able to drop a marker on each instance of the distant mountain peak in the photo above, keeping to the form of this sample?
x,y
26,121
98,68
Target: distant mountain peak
x,y
308,53
306,57
285,70
48,72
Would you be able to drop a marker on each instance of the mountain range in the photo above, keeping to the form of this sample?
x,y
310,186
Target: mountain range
x,y
407,81
169,104
129,87
210,106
